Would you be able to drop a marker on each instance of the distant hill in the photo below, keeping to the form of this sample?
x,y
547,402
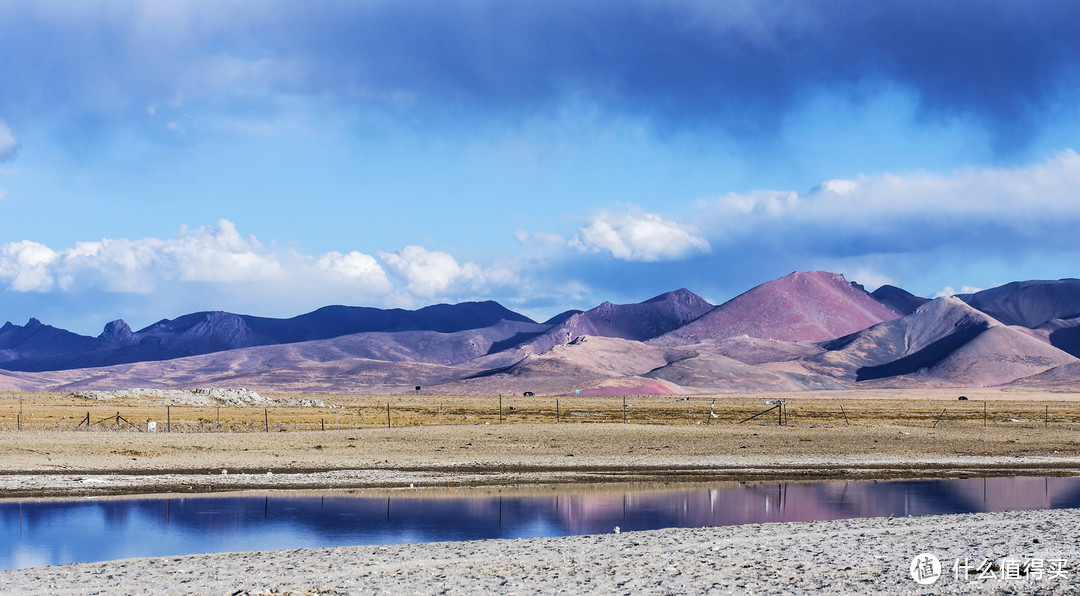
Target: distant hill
x,y
806,331
37,347
638,321
901,300
945,341
39,342
1051,307
813,306
1029,303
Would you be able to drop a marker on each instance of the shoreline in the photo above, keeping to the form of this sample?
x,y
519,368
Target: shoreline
x,y
834,557
70,484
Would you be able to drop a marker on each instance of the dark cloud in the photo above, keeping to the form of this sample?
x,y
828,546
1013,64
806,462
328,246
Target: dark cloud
x,y
734,66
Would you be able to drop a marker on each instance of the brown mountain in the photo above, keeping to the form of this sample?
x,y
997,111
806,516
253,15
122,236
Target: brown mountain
x,y
945,341
806,331
38,347
812,306
1050,307
1029,303
901,300
638,321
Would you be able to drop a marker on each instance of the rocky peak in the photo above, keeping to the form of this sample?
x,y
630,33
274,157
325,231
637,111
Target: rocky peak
x,y
116,332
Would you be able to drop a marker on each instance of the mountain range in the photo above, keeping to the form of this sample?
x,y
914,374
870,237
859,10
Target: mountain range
x,y
804,331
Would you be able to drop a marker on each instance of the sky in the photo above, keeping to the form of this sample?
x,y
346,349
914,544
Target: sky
x,y
272,157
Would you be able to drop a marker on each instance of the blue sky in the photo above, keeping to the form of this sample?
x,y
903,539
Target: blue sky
x,y
271,157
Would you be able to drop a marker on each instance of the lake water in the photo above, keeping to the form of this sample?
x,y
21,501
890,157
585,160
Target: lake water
x,y
52,532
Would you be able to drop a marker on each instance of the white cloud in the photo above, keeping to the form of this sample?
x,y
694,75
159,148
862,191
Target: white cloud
x,y
8,146
220,255
637,236
539,238
206,255
871,279
950,291
217,267
431,273
899,213
26,266
355,267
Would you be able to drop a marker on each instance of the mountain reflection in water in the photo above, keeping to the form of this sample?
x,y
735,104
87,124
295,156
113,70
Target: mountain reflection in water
x,y
35,533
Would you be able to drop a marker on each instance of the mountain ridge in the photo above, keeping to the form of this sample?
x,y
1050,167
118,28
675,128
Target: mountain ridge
x,y
807,331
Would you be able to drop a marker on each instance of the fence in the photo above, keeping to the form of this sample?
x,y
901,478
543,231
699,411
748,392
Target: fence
x,y
41,412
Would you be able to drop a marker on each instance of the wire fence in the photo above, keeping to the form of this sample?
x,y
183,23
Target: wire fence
x,y
58,413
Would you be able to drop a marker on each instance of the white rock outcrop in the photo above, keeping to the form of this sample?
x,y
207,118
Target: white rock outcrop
x,y
205,396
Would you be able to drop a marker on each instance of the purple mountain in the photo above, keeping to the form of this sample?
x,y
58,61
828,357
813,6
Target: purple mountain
x,y
37,347
639,321
810,306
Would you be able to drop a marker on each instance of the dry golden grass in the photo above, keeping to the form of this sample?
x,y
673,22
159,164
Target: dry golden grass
x,y
918,408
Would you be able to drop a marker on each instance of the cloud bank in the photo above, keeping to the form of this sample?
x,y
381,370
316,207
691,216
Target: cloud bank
x,y
736,66
983,210
638,236
201,256
859,227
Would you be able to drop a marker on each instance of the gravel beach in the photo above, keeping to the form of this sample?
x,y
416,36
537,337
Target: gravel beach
x,y
1025,552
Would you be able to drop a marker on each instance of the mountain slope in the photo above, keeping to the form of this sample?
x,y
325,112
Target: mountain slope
x,y
38,347
898,299
945,341
813,306
805,331
36,341
1029,303
638,321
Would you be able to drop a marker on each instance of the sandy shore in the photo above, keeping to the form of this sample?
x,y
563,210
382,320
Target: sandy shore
x,y
854,556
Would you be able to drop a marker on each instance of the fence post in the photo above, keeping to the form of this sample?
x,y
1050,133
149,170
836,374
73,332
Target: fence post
x,y
168,419
266,420
624,409
939,417
1046,417
387,414
500,409
845,415
323,422
556,410
984,412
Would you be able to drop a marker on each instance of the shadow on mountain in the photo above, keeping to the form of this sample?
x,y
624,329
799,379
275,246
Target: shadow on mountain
x,y
1067,340
926,357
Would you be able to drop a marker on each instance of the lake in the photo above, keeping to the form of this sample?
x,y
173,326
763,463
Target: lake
x,y
54,532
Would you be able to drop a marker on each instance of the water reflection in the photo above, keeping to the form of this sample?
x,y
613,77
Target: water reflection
x,y
34,533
